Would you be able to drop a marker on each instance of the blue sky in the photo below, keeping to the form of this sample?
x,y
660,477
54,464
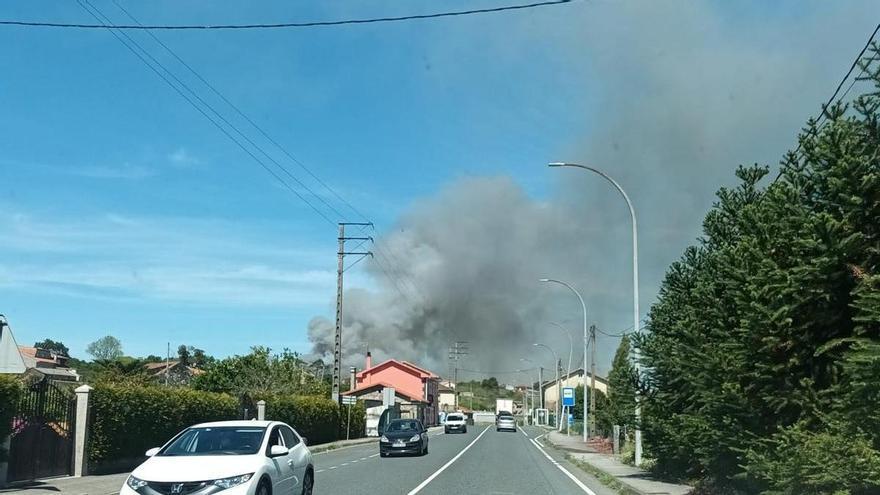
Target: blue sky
x,y
124,211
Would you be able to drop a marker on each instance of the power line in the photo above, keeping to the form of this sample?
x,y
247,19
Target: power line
x,y
242,114
349,267
247,118
131,43
397,281
819,124
282,25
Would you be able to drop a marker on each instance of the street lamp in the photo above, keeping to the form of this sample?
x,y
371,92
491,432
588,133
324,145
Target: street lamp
x,y
584,307
527,360
568,371
635,258
558,389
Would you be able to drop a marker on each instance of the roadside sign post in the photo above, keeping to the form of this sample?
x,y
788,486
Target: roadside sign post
x,y
348,400
568,401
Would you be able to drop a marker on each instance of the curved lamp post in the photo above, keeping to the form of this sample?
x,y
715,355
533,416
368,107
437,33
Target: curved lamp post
x,y
527,360
584,307
568,370
635,273
558,388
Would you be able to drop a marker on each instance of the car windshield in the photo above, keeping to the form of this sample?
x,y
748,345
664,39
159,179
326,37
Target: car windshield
x,y
453,417
505,417
405,425
223,440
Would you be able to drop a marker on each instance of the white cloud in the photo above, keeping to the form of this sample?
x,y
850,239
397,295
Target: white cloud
x,y
182,260
183,158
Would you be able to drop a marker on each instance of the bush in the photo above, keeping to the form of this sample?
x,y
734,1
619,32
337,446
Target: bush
x,y
127,420
316,418
10,394
358,420
800,461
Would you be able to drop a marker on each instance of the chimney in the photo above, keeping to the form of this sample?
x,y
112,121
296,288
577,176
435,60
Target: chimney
x,y
369,361
352,372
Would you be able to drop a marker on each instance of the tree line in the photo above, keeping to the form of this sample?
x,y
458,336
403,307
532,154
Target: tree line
x,y
762,355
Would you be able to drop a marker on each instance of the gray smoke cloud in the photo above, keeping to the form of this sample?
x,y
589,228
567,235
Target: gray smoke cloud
x,y
685,96
467,268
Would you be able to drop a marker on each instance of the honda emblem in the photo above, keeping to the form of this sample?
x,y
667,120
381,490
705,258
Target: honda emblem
x,y
176,488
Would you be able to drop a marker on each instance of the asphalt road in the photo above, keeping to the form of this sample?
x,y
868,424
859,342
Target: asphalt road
x,y
482,461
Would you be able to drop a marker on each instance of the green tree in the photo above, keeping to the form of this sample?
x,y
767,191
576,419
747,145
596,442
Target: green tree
x,y
620,408
764,346
53,345
107,347
261,371
183,355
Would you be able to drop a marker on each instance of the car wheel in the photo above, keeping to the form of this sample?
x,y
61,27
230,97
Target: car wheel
x,y
263,488
308,483
446,430
383,454
425,452
464,430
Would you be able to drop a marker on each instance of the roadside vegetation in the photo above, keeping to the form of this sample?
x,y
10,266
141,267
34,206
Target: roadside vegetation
x,y
763,355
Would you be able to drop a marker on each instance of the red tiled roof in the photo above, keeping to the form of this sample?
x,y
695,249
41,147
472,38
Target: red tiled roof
x,y
402,364
31,352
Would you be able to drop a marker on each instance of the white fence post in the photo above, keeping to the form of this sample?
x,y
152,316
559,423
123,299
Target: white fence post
x,y
80,460
261,410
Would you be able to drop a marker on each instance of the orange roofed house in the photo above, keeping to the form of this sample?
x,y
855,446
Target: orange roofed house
x,y
415,388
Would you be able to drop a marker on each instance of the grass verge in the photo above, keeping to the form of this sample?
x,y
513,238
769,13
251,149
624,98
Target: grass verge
x,y
605,478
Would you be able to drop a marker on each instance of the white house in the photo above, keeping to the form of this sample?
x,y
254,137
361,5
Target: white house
x,y
11,361
574,379
18,360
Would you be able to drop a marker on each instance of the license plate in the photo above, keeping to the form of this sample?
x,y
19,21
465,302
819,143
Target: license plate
x,y
398,444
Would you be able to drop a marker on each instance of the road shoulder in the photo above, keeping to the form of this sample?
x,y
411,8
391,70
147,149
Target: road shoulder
x,y
625,479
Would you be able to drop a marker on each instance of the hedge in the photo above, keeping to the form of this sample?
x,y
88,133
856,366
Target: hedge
x,y
10,394
127,420
316,418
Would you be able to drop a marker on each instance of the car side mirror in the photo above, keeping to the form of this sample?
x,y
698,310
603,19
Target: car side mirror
x,y
152,452
278,450
305,441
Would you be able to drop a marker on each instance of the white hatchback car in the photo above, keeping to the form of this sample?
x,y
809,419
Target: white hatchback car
x,y
235,457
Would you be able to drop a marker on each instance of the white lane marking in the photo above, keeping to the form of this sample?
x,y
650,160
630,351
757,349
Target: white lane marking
x,y
320,471
332,467
344,464
354,461
362,444
448,463
523,431
578,482
364,458
375,455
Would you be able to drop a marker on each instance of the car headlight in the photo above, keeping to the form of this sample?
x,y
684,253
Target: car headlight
x,y
135,483
415,438
384,439
233,481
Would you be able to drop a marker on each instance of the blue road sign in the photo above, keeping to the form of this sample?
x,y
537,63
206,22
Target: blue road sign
x,y
568,396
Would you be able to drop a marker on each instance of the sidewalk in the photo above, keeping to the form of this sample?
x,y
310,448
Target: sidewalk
x,y
635,479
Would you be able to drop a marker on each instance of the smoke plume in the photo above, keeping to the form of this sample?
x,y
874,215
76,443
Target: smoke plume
x,y
684,96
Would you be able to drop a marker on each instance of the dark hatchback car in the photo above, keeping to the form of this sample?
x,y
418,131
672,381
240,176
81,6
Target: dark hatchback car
x,y
403,436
